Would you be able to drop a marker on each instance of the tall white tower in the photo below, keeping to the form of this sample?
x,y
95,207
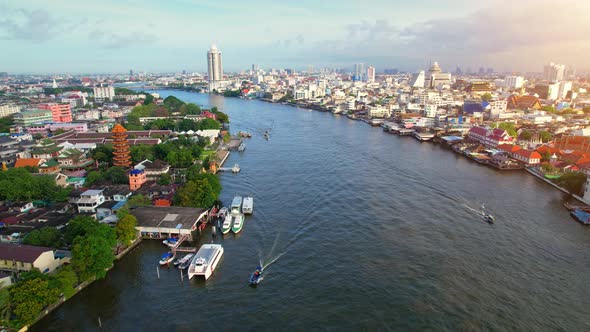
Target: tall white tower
x,y
215,68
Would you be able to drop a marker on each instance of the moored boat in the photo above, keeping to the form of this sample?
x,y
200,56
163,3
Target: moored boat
x,y
170,242
237,222
236,204
227,224
187,262
186,259
248,205
205,261
167,258
242,147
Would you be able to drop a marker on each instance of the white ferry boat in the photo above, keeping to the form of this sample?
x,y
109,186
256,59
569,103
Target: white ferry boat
x,y
248,205
205,261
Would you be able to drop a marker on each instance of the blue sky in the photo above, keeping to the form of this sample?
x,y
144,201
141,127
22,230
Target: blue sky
x,y
93,36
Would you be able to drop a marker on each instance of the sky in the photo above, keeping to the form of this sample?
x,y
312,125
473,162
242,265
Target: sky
x,y
114,36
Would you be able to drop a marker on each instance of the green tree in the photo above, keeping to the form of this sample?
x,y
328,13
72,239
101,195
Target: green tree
x,y
124,91
165,179
133,202
149,99
192,109
546,156
487,96
509,127
545,136
5,124
103,153
4,306
549,109
92,255
93,177
117,175
44,237
526,135
180,159
173,103
198,193
548,168
29,297
209,124
125,229
65,280
82,226
573,182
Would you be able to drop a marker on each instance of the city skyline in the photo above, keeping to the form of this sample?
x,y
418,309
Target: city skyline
x,y
101,37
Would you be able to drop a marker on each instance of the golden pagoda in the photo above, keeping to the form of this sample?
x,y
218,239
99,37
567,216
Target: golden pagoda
x,y
121,155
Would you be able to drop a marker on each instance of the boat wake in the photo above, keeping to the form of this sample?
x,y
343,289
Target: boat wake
x,y
272,261
469,208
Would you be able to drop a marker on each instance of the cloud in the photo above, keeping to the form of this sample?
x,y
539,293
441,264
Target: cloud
x,y
31,25
115,40
516,35
298,40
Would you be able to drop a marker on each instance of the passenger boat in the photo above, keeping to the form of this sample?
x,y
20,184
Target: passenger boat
x,y
170,242
256,276
248,205
186,259
205,261
167,258
242,147
237,222
223,212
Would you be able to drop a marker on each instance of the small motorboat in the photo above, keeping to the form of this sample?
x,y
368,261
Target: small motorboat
x,y
256,276
170,242
242,147
227,224
186,259
167,258
236,168
487,216
186,262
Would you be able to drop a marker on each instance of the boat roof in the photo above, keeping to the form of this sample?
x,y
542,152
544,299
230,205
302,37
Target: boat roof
x,y
237,201
207,251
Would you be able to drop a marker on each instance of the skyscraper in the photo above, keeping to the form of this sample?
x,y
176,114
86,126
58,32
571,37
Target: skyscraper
x,y
214,65
371,74
359,71
553,72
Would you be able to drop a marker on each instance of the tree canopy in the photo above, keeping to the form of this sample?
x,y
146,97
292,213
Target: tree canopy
x,y
44,237
92,255
125,229
201,190
19,185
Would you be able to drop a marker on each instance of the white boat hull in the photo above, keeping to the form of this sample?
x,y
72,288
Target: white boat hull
x,y
207,271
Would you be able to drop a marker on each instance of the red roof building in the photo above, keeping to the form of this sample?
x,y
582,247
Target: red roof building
x,y
528,157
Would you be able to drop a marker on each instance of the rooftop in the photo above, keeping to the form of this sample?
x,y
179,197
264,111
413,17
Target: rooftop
x,y
21,252
167,217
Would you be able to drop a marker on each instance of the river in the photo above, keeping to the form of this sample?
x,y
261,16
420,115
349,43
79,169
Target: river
x,y
371,231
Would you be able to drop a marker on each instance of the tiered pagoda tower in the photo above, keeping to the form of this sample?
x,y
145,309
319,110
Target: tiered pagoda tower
x,y
121,155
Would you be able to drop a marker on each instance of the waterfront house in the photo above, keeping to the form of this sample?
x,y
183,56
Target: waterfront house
x,y
18,257
171,221
528,157
492,138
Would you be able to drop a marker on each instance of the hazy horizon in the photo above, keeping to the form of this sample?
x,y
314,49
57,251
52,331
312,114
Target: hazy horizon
x,y
114,37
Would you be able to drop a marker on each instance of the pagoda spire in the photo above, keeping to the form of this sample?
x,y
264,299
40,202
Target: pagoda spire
x,y
121,156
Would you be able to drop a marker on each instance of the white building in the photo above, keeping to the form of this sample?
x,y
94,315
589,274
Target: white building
x,y
7,109
379,112
564,88
214,65
418,80
104,92
513,82
90,200
430,110
498,107
553,72
371,74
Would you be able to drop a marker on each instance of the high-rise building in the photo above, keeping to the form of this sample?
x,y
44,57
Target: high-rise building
x,y
359,71
553,72
371,74
310,69
513,82
254,68
130,72
214,65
